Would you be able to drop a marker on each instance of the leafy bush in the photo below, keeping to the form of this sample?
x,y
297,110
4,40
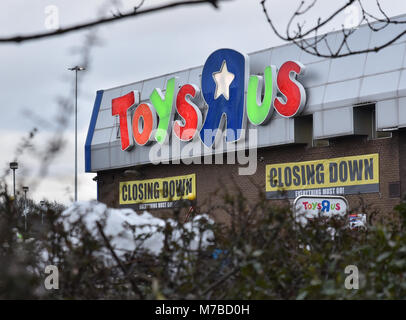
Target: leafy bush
x,y
261,253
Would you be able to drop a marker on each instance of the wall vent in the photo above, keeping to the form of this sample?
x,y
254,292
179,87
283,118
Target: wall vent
x,y
394,189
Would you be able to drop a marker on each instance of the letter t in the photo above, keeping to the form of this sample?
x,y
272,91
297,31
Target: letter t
x,y
122,107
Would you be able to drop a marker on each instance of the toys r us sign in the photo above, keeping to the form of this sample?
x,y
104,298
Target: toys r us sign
x,y
309,207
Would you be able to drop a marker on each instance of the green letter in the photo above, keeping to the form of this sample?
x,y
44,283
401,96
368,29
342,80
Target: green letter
x,y
259,113
164,107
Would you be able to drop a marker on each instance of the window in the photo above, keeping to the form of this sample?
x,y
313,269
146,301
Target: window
x,y
365,122
304,129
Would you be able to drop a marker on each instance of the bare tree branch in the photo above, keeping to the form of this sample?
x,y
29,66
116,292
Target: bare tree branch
x,y
309,39
102,21
221,280
119,262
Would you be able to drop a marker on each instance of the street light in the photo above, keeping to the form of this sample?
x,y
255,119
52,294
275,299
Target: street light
x,y
25,189
43,207
14,166
76,69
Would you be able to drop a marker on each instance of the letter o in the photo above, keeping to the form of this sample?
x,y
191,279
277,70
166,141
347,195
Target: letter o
x,y
171,189
146,114
288,176
343,171
134,191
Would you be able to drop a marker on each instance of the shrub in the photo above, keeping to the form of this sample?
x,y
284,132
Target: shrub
x,y
261,254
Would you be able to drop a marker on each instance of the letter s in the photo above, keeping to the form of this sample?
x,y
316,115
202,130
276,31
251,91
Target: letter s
x,y
189,111
292,90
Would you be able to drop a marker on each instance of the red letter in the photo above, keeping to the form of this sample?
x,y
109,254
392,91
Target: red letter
x,y
148,115
291,89
188,111
305,204
121,107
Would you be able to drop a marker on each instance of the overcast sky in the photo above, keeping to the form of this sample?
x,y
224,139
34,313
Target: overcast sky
x,y
34,74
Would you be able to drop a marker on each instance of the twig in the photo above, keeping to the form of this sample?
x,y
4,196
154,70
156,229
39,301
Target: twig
x,y
119,262
132,13
310,45
221,280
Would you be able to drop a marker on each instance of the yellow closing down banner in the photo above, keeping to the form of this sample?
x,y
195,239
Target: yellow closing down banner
x,y
157,193
335,176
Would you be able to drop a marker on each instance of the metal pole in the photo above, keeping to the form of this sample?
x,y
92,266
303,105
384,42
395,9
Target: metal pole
x,y
25,210
76,135
42,204
76,68
14,183
25,189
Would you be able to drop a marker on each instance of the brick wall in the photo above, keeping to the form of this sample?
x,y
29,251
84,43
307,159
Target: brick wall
x,y
213,180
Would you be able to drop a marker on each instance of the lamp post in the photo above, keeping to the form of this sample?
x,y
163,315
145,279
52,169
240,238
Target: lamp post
x,y
25,189
14,166
76,69
43,207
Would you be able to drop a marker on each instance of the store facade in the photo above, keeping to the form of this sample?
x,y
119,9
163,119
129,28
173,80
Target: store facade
x,y
278,120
